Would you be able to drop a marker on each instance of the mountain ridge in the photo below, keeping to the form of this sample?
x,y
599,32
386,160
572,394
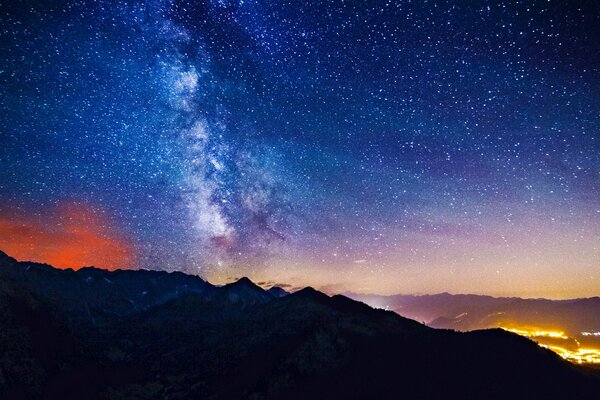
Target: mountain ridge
x,y
443,310
65,336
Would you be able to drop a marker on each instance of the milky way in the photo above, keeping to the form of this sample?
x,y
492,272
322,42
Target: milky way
x,y
355,145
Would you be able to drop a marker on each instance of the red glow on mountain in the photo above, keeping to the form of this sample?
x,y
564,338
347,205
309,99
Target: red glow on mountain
x,y
72,235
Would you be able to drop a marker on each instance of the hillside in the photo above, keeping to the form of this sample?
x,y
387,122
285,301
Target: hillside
x,y
97,334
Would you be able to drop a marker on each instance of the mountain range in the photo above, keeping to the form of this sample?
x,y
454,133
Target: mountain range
x,y
467,311
573,317
97,334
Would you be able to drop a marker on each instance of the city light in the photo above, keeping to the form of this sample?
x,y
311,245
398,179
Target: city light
x,y
538,333
578,354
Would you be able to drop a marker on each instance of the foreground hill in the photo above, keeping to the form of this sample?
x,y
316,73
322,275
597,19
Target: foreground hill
x,y
96,334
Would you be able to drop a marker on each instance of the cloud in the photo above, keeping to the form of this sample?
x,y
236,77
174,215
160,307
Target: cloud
x,y
71,235
270,284
281,285
333,288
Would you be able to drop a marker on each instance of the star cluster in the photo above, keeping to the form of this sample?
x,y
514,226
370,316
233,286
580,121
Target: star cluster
x,y
400,146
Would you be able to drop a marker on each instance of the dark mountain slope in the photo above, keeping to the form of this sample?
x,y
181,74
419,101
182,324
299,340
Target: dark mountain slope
x,y
276,291
245,292
98,296
192,340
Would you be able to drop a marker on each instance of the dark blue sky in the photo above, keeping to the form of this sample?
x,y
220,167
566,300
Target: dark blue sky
x,y
408,146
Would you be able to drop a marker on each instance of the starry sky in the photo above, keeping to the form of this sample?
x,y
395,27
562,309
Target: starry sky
x,y
372,146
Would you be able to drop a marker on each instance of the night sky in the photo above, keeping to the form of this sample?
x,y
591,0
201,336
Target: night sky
x,y
382,147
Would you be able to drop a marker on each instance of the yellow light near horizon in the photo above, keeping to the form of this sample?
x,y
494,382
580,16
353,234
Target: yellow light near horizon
x,y
579,356
538,333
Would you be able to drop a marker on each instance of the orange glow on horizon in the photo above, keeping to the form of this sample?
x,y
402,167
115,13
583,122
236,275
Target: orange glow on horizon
x,y
536,333
579,356
72,235
574,352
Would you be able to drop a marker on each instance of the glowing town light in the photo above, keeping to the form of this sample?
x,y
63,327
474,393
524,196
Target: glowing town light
x,y
579,355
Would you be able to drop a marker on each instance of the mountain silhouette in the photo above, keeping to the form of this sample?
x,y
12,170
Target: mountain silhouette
x,y
245,292
277,291
99,334
468,312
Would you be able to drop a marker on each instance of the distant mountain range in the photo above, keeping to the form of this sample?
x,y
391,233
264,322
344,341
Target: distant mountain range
x,y
468,312
96,334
